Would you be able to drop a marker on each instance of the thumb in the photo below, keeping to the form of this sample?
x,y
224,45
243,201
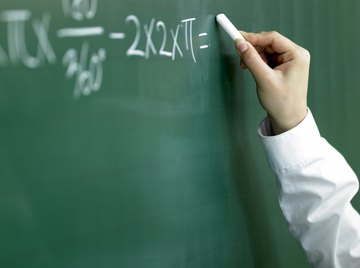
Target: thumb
x,y
253,60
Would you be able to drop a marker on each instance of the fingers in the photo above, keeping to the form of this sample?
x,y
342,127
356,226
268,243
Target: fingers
x,y
274,49
252,60
262,55
281,70
272,42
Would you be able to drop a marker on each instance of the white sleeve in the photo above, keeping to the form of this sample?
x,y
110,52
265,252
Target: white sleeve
x,y
315,188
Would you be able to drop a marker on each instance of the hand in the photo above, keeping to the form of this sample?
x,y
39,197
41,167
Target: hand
x,y
281,71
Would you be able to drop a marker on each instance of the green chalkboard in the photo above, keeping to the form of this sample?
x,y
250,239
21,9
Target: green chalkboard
x,y
128,131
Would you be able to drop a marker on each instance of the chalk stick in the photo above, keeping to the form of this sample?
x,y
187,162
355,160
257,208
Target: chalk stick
x,y
229,27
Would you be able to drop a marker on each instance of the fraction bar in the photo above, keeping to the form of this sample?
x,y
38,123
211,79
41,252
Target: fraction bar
x,y
80,32
116,35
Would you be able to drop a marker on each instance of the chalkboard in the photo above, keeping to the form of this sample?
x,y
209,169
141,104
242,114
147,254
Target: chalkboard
x,y
128,131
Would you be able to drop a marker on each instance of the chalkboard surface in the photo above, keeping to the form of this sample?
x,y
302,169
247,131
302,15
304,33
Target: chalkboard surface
x,y
128,131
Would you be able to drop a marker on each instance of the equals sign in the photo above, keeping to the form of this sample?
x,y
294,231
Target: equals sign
x,y
203,46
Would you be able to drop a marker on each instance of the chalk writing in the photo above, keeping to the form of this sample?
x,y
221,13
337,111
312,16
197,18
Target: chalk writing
x,y
203,35
85,64
160,27
86,69
80,32
117,35
88,75
176,46
188,35
80,9
150,49
133,49
17,49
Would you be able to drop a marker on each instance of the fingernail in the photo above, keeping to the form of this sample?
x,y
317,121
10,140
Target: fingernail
x,y
241,45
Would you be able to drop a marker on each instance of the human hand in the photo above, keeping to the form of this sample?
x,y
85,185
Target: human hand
x,y
281,71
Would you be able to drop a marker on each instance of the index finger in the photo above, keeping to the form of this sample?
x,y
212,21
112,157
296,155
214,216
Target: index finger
x,y
272,41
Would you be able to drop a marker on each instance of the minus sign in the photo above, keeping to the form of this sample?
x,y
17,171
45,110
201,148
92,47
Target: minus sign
x,y
203,47
202,34
116,35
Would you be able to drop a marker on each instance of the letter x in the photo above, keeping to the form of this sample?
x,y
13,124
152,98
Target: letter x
x,y
149,42
175,44
45,49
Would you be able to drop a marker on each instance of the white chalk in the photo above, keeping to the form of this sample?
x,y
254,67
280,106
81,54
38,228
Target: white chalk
x,y
229,27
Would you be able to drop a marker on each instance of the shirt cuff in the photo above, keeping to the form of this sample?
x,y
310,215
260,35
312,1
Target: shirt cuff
x,y
293,147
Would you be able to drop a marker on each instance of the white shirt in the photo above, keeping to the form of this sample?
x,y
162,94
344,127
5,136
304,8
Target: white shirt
x,y
315,188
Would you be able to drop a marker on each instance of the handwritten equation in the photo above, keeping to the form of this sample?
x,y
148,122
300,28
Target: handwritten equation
x,y
86,66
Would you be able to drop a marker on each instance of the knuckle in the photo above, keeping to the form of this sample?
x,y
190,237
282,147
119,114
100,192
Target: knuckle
x,y
274,33
307,54
304,54
250,57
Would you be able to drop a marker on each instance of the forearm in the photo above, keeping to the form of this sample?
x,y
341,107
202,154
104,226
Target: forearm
x,y
315,188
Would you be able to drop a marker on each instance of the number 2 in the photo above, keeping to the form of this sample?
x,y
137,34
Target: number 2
x,y
161,26
133,50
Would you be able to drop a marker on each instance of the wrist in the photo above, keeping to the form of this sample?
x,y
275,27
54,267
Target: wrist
x,y
281,126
